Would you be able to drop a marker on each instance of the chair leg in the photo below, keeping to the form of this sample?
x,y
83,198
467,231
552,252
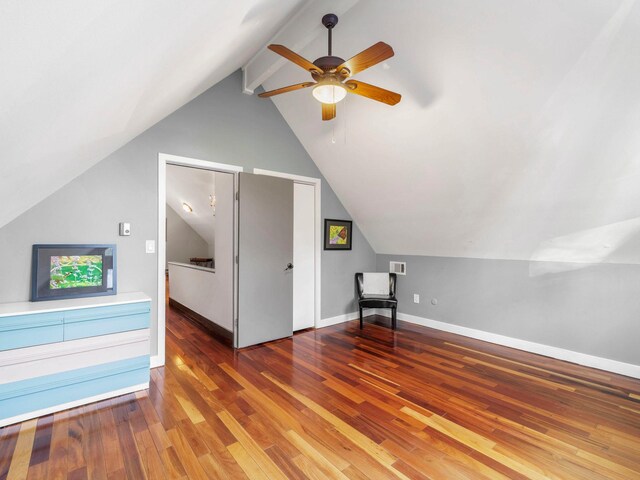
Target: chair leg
x,y
394,320
361,323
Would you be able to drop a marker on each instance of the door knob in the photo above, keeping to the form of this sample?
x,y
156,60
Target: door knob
x,y
289,267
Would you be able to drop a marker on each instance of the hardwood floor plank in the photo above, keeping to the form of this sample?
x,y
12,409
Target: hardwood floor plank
x,y
8,440
187,458
246,462
59,446
38,471
285,463
249,445
130,454
328,468
173,468
22,454
42,441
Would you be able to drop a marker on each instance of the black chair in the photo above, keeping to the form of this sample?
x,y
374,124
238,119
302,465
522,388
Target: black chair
x,y
378,301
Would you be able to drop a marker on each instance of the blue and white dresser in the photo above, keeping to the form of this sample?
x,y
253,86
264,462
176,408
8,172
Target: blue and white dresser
x,y
60,354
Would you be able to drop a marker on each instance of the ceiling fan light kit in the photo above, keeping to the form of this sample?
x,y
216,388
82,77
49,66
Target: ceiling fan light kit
x,y
329,92
331,73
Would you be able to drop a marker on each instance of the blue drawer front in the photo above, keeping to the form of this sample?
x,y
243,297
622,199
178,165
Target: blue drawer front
x,y
29,330
91,322
44,392
109,311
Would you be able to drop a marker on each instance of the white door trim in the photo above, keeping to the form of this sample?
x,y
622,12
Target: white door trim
x,y
165,159
317,184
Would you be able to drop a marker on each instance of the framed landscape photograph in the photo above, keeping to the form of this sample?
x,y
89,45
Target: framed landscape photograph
x,y
72,271
337,234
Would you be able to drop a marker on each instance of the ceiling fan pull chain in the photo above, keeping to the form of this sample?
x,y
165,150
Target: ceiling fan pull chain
x,y
346,119
333,132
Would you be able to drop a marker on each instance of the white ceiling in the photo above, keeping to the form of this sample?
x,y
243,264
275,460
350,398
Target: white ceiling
x,y
80,78
193,187
518,135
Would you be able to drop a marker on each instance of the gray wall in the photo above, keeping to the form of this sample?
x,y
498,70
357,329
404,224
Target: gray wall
x,y
587,308
221,125
183,242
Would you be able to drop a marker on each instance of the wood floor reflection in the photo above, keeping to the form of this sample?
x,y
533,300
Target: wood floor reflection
x,y
343,403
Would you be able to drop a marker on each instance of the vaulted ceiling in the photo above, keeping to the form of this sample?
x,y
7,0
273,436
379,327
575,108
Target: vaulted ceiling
x,y
195,187
80,78
517,136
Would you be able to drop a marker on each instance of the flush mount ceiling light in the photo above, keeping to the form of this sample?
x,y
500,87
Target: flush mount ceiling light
x,y
330,73
186,207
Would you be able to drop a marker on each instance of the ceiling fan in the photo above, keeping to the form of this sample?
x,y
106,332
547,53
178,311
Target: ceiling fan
x,y
330,73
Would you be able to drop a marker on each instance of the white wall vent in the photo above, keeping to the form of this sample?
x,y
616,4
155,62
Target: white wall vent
x,y
399,268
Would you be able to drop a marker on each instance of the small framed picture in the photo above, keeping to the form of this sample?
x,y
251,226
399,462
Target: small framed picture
x,y
337,234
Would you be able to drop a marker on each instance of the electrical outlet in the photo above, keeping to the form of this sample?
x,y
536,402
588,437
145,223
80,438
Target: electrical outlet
x,y
416,298
150,246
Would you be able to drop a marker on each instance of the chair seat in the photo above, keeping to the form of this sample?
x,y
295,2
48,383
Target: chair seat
x,y
371,301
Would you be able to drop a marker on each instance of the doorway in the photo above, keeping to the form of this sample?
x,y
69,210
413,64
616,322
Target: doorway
x,y
201,267
307,248
307,303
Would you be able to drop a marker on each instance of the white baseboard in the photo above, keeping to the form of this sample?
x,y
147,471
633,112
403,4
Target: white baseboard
x,y
327,322
600,363
76,403
156,361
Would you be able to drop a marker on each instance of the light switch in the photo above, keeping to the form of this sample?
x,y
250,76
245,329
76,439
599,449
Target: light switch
x,y
416,298
150,246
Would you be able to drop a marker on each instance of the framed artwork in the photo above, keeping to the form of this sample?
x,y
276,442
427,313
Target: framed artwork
x,y
337,234
72,271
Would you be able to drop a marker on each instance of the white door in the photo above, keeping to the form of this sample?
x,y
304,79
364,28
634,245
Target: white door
x,y
303,256
265,251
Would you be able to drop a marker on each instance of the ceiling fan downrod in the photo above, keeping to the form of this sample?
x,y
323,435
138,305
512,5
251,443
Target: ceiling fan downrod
x,y
330,20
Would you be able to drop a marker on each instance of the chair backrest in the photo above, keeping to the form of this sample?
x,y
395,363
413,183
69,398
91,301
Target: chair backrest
x,y
360,284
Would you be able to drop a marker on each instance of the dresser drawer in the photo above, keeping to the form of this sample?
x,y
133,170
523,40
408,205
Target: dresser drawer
x,y
29,330
92,322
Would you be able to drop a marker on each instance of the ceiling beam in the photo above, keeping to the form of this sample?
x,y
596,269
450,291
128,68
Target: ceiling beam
x,y
296,34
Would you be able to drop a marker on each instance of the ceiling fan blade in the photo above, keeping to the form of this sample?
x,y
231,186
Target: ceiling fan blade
x,y
290,88
295,58
368,58
372,92
328,111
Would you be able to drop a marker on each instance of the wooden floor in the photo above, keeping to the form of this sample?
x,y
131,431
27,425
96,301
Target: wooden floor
x,y
343,403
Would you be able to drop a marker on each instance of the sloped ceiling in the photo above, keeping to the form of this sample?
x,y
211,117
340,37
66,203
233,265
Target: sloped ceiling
x,y
193,186
80,78
517,136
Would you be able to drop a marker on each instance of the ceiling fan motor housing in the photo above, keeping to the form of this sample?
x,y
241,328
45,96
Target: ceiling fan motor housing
x,y
326,64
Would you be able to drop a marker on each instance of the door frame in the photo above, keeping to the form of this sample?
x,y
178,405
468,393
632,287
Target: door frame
x,y
317,185
165,159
